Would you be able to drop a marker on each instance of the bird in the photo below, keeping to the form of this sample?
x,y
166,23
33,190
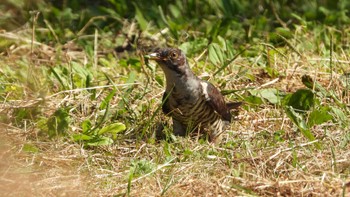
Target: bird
x,y
193,104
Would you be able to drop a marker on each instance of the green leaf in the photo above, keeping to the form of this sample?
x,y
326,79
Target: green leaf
x,y
301,100
270,94
229,53
100,141
81,137
175,11
193,47
130,177
30,148
346,140
310,83
159,79
142,167
58,123
108,98
340,115
297,118
78,69
140,18
214,28
319,116
271,71
295,161
131,77
307,81
134,63
299,121
86,125
112,128
253,100
278,135
285,32
56,74
280,35
216,55
167,149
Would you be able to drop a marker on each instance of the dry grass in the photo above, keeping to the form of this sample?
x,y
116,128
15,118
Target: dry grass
x,y
64,169
249,162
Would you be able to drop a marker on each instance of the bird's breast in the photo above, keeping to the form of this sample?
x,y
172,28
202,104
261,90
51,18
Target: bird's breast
x,y
192,110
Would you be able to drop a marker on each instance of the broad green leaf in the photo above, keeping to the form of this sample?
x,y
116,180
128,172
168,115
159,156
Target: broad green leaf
x,y
307,81
297,118
302,99
100,141
112,128
253,100
175,11
81,137
270,94
299,121
319,116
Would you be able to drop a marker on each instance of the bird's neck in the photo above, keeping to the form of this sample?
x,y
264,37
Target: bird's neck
x,y
186,82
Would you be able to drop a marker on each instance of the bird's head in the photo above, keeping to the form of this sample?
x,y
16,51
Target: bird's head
x,y
171,59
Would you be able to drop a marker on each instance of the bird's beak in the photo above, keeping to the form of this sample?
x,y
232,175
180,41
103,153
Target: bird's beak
x,y
153,56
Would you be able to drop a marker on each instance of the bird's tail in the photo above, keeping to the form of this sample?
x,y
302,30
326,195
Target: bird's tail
x,y
233,105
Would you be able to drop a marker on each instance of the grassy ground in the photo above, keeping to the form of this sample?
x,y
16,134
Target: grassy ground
x,y
79,113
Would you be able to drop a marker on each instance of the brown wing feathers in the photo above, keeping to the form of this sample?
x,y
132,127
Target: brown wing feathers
x,y
216,100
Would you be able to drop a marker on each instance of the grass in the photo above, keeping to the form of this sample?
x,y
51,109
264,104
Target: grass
x,y
79,116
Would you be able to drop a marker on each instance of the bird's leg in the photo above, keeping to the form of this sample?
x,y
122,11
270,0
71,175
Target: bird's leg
x,y
159,133
216,130
214,138
179,129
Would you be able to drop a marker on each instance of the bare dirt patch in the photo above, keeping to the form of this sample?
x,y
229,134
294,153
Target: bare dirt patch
x,y
33,174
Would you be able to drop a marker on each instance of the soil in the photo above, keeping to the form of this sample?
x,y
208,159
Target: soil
x,y
22,173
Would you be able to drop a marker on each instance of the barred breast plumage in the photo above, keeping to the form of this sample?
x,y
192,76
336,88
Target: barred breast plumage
x,y
192,103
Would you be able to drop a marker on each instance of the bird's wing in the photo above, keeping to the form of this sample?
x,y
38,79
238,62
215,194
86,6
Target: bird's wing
x,y
215,99
165,107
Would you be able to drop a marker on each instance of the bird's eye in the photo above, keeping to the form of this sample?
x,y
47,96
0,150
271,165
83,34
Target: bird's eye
x,y
174,55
